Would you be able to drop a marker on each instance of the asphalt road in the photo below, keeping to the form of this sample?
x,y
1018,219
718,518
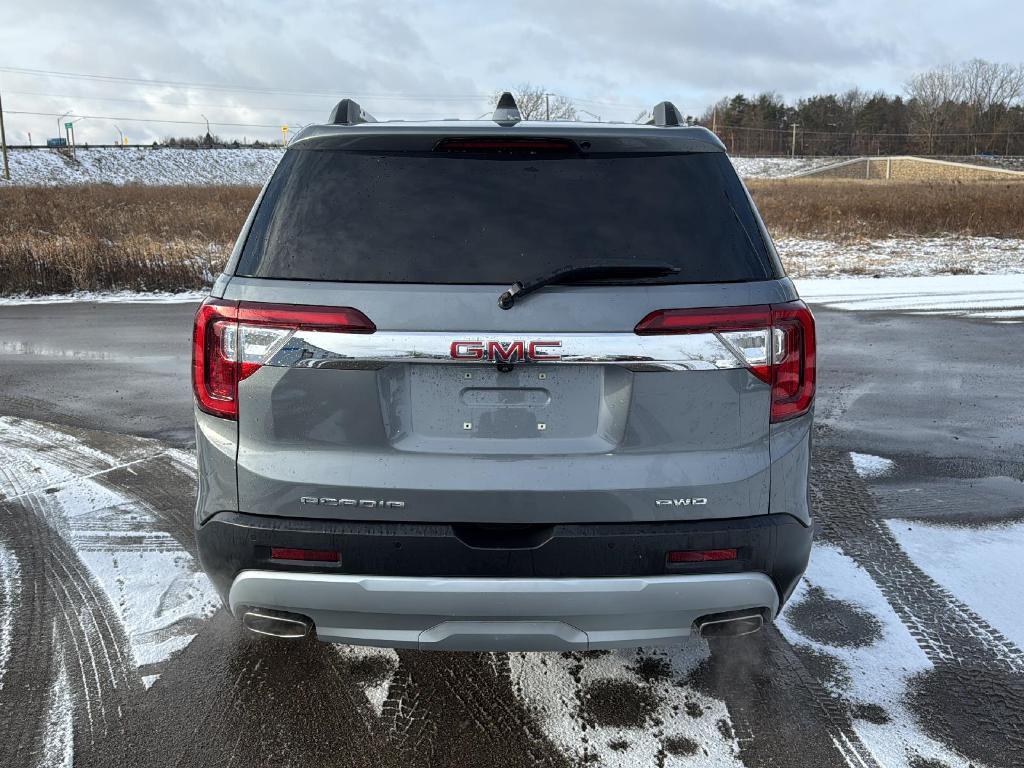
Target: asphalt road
x,y
96,487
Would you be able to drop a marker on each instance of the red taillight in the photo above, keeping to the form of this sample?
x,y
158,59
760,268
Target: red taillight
x,y
704,320
777,342
311,555
214,374
701,555
793,382
231,340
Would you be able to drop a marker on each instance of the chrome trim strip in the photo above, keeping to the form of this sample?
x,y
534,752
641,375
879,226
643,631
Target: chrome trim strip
x,y
686,352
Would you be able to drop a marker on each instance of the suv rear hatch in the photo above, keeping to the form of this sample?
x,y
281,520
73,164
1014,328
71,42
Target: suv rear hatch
x,y
378,379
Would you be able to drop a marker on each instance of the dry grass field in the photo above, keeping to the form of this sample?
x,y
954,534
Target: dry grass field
x,y
842,210
60,239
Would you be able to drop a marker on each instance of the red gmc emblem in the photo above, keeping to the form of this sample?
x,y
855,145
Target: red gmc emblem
x,y
506,351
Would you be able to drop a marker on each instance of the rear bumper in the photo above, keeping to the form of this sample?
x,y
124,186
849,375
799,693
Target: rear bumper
x,y
491,587
502,614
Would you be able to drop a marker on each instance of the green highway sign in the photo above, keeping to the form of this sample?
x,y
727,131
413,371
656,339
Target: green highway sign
x,y
67,125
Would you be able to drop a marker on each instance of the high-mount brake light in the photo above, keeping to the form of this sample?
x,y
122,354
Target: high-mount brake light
x,y
775,342
231,340
523,145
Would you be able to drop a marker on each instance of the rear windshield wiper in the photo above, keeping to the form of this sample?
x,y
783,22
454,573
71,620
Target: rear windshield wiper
x,y
581,274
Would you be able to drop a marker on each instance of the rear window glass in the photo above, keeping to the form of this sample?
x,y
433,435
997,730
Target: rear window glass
x,y
435,217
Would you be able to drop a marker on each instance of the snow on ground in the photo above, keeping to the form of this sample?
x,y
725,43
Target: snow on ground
x,y
374,670
867,465
642,686
778,167
248,166
998,298
107,297
980,566
10,590
901,256
59,747
876,673
144,165
154,586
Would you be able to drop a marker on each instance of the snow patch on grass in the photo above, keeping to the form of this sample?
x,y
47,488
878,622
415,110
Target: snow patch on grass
x,y
980,566
144,165
878,672
777,167
901,256
867,465
107,297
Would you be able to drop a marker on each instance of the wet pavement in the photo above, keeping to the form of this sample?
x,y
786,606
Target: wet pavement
x,y
114,650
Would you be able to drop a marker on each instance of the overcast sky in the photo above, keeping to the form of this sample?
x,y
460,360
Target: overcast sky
x,y
441,59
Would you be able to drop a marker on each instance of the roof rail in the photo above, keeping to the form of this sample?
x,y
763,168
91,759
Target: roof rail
x,y
348,112
666,115
507,111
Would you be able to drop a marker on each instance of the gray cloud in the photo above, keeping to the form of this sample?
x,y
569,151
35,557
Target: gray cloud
x,y
615,56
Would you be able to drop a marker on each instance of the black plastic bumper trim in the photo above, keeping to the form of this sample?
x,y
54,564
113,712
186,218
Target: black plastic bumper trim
x,y
776,545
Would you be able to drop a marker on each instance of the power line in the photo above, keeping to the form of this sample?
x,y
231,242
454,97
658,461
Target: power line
x,y
163,103
872,134
93,77
236,88
147,120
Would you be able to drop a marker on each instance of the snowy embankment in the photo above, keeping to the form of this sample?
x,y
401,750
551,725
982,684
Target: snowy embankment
x,y
247,166
144,165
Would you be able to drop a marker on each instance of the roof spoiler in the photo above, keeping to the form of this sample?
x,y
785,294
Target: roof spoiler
x,y
348,112
507,112
666,115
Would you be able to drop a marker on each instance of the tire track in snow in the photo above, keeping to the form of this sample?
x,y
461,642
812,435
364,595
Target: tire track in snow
x,y
764,683
10,588
69,618
969,655
58,745
49,484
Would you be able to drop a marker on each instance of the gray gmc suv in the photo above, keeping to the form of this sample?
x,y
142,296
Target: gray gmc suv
x,y
503,385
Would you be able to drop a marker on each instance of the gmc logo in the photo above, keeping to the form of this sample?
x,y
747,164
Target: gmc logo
x,y
506,351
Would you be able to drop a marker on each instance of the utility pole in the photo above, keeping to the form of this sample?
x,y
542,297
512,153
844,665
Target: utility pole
x,y
3,142
792,149
714,120
547,107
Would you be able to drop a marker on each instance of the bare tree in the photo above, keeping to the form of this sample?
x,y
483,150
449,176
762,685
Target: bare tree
x,y
930,95
973,97
536,103
988,84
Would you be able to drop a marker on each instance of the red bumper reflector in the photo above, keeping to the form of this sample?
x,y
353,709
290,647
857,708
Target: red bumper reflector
x,y
701,555
315,555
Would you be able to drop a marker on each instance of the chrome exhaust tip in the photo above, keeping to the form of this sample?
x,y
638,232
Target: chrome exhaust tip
x,y
729,625
288,626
